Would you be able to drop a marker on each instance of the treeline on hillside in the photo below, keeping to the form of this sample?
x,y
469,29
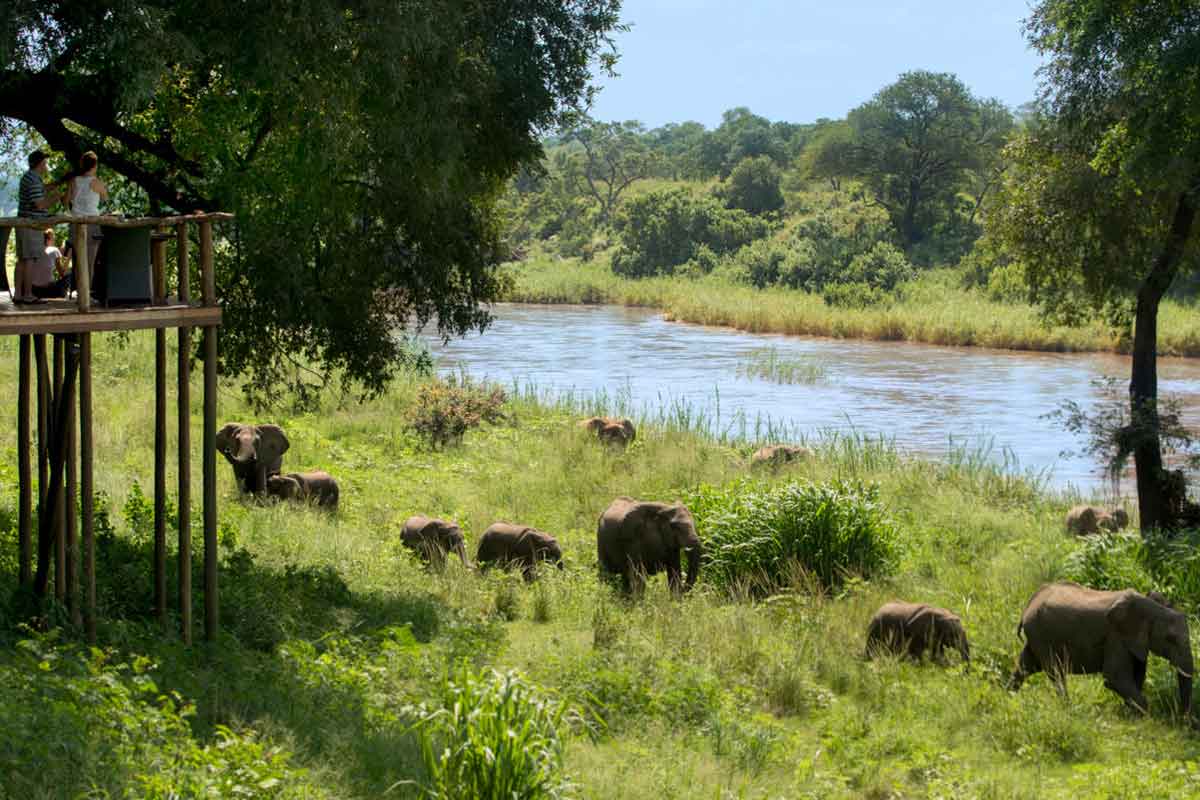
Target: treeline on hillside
x,y
846,208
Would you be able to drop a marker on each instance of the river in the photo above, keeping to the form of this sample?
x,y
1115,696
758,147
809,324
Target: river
x,y
927,398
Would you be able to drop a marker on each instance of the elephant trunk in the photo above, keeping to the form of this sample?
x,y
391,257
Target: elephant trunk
x,y
693,566
461,549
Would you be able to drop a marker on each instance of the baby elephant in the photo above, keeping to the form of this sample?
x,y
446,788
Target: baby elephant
x,y
1087,520
913,629
517,545
316,486
432,539
776,455
610,430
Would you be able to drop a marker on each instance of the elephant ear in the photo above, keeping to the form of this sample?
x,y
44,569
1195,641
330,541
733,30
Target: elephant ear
x,y
226,435
1129,619
272,442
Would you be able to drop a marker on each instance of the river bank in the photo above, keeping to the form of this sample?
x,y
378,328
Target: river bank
x,y
933,310
333,635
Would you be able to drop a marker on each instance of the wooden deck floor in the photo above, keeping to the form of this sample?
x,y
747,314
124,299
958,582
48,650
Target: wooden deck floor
x,y
64,316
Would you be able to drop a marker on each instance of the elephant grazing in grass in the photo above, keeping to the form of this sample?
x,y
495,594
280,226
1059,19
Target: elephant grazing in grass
x,y
776,455
517,545
432,539
610,430
254,452
316,486
1086,520
635,539
914,629
1070,629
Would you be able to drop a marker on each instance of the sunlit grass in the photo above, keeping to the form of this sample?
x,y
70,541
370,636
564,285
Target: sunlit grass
x,y
771,365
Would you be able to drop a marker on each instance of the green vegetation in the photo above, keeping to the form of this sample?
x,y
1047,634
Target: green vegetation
x,y
935,308
771,365
334,638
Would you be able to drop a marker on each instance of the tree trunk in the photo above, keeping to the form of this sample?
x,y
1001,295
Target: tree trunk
x,y
1143,382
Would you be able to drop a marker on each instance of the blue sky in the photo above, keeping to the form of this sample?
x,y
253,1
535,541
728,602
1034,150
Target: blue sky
x,y
798,60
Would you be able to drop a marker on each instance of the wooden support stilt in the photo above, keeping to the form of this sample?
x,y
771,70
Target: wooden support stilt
x,y
60,501
43,419
86,487
51,522
183,411
208,277
160,476
72,573
24,468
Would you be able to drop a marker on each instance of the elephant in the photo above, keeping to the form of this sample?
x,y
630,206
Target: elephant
x,y
635,539
315,486
914,628
508,545
775,455
598,425
254,451
1086,520
1070,629
432,539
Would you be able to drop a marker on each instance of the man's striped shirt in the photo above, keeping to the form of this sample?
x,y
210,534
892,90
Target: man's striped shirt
x,y
32,190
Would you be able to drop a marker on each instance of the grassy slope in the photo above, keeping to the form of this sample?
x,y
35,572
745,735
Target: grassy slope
x,y
702,698
933,311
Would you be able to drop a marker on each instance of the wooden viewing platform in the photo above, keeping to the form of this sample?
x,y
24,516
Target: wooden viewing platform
x,y
64,422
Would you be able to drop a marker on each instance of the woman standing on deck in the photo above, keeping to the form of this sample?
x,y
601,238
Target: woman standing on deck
x,y
84,195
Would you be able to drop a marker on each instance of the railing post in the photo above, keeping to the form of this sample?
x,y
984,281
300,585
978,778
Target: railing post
x,y
83,270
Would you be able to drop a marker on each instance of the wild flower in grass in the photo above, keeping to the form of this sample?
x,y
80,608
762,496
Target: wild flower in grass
x,y
493,736
771,365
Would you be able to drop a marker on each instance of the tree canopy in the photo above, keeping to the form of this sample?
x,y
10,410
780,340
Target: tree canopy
x,y
362,144
1101,202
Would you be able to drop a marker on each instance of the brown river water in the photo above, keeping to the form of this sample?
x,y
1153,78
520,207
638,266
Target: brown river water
x,y
928,399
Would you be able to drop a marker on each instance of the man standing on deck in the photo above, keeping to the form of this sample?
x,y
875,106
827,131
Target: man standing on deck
x,y
33,201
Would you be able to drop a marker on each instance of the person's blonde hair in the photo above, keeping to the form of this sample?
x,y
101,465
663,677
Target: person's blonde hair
x,y
87,161
47,235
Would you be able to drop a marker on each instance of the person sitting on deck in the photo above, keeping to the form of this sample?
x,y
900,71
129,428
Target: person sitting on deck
x,y
50,276
33,201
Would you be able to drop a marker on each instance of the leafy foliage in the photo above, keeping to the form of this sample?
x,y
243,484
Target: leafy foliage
x,y
492,736
447,409
753,186
755,535
663,230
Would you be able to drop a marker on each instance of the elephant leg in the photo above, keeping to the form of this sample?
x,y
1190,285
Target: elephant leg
x,y
1123,675
1139,674
1027,664
675,579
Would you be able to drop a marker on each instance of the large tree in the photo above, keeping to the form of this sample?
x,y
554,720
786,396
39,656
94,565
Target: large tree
x,y
1101,201
610,157
362,144
916,145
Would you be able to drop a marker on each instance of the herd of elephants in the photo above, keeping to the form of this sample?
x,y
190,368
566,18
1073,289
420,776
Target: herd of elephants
x,y
1068,629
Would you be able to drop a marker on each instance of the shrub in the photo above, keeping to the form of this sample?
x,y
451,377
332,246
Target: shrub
x,y
754,535
1110,562
854,295
1007,284
662,230
753,187
492,737
446,409
881,267
75,724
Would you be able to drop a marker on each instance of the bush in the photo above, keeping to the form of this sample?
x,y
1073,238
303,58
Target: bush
x,y
755,535
446,409
74,724
662,230
493,737
854,295
753,187
1110,562
881,267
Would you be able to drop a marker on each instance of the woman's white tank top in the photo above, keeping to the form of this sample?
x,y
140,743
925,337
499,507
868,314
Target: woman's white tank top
x,y
86,202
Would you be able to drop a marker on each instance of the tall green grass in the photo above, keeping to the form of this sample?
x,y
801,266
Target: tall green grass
x,y
934,310
771,365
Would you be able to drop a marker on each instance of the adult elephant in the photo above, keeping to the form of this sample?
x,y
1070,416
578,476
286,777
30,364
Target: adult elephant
x,y
254,452
517,545
432,539
635,539
1070,629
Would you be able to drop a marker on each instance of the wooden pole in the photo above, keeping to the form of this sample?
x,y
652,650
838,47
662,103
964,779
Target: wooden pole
x,y
211,605
184,413
43,419
72,544
87,527
50,523
24,468
158,260
160,476
80,235
60,504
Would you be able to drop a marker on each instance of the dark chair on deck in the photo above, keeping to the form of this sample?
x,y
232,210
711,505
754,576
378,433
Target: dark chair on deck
x,y
122,273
